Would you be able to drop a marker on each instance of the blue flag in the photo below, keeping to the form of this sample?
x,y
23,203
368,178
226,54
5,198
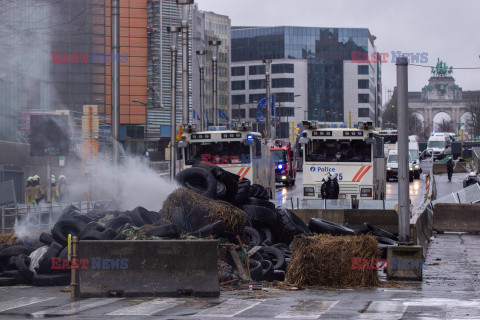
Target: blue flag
x,y
222,114
261,104
272,104
196,116
206,116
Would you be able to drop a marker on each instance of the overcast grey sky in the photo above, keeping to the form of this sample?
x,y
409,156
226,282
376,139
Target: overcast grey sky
x,y
445,29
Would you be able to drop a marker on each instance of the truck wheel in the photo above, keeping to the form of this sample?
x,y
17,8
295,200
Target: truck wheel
x,y
293,182
410,178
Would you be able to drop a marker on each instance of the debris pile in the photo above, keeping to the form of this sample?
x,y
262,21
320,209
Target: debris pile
x,y
213,204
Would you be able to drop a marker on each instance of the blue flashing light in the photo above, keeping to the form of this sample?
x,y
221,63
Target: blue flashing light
x,y
304,134
249,137
370,135
280,166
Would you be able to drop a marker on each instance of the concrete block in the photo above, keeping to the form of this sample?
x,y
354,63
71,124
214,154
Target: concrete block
x,y
148,268
405,263
456,217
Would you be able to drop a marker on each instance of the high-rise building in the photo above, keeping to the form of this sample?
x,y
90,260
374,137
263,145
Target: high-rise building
x,y
312,76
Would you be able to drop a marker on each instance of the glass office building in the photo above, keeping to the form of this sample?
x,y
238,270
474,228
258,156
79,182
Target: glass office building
x,y
324,49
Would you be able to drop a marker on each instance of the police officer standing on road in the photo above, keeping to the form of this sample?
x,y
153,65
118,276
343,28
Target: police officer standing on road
x,y
39,193
333,186
53,184
62,189
450,166
29,193
324,187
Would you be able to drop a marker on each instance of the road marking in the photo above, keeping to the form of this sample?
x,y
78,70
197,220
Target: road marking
x,y
309,310
384,310
148,308
229,308
75,307
20,302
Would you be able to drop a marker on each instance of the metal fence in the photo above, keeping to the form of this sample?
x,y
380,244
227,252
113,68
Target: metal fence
x,y
41,216
470,194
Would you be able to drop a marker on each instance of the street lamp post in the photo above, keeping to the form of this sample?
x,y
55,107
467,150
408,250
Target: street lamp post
x,y
173,31
215,44
185,13
201,65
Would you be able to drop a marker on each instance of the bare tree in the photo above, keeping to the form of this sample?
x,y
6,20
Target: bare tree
x,y
473,105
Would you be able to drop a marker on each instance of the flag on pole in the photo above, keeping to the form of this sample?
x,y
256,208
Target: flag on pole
x,y
261,104
222,114
196,116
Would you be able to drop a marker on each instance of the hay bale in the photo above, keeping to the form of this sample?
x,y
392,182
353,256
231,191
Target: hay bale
x,y
10,238
326,260
200,210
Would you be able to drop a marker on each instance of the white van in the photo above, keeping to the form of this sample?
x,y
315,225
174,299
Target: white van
x,y
439,146
392,166
414,151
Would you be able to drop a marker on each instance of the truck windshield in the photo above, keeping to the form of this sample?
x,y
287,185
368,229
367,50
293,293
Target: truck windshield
x,y
210,153
390,138
279,156
393,158
436,144
338,151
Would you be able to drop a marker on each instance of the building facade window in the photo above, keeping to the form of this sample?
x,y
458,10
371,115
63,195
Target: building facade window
x,y
363,98
364,112
253,98
363,84
284,97
238,85
256,84
238,99
238,71
254,70
283,68
283,83
362,69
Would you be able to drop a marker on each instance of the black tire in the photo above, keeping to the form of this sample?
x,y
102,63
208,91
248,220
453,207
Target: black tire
x,y
46,238
7,281
14,251
260,203
170,231
199,180
410,178
23,262
243,191
92,226
267,238
260,216
368,228
64,253
276,256
323,226
288,226
45,263
141,216
82,218
281,246
44,280
68,212
215,229
256,270
221,191
267,270
62,228
279,275
258,192
17,275
4,246
94,235
109,233
387,241
252,237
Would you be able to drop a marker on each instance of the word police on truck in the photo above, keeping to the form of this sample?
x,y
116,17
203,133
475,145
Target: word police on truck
x,y
356,155
239,151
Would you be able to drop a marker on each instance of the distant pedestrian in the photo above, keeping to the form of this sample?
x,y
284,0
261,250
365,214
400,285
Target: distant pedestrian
x,y
450,166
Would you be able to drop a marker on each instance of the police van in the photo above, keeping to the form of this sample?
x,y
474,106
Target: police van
x,y
356,155
240,151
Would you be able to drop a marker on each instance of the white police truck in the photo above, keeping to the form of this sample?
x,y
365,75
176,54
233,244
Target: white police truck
x,y
241,151
355,154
